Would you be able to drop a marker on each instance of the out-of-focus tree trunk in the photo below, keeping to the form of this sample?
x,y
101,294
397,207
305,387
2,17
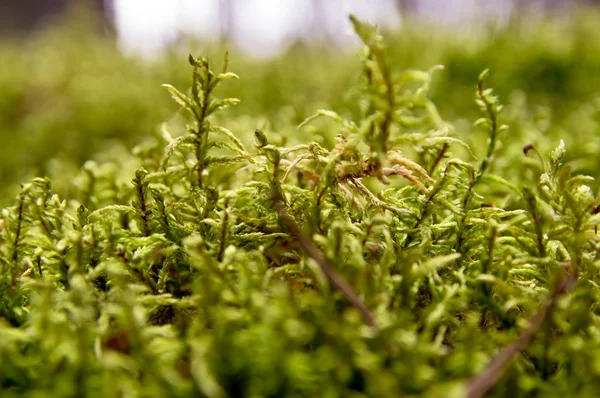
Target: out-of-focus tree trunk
x,y
23,16
406,8
226,20
518,9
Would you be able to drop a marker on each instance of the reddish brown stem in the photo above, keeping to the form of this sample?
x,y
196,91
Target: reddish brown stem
x,y
484,381
313,252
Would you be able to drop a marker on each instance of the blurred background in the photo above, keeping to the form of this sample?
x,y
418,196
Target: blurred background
x,y
264,27
82,79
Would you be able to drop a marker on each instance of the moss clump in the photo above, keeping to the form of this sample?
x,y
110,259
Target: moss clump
x,y
386,259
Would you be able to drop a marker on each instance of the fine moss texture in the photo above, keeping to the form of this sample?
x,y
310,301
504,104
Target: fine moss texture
x,y
377,250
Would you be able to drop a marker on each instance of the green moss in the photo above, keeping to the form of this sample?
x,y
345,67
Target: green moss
x,y
375,252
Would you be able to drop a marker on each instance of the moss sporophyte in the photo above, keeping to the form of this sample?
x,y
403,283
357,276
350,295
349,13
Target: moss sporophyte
x,y
372,256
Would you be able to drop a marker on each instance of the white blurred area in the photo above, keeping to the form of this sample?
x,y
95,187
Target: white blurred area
x,y
265,27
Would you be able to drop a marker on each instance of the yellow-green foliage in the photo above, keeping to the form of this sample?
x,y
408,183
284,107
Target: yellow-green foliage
x,y
66,93
372,249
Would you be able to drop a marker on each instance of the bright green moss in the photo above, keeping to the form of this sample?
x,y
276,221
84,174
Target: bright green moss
x,y
369,255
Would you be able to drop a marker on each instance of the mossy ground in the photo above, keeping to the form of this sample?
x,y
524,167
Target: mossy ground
x,y
377,248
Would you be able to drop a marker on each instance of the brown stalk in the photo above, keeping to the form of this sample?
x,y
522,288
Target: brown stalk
x,y
484,381
313,252
438,158
406,173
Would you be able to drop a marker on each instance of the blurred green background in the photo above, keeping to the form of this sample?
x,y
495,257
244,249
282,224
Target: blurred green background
x,y
68,93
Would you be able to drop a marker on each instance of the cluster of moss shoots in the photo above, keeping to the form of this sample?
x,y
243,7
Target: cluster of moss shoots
x,y
382,265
